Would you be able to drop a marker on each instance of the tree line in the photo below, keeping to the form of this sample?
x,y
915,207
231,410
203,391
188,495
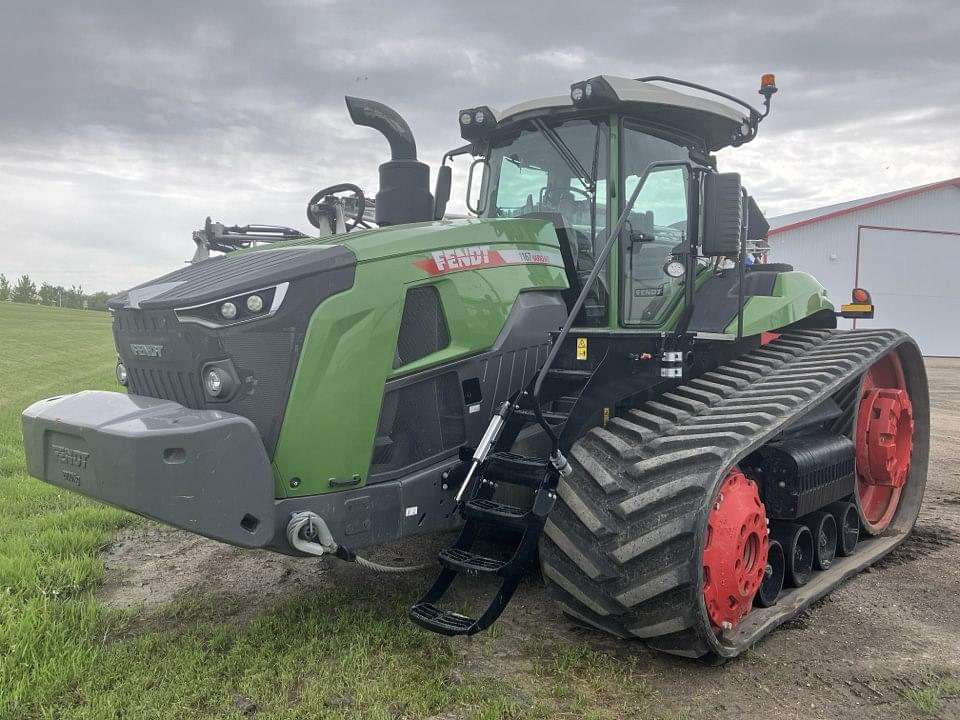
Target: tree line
x,y
26,291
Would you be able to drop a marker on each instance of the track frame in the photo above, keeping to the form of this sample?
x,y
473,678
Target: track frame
x,y
622,547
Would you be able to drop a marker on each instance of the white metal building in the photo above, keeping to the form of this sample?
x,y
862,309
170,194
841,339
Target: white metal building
x,y
904,247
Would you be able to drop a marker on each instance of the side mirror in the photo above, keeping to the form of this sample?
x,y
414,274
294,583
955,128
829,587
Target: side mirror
x,y
722,215
476,206
441,194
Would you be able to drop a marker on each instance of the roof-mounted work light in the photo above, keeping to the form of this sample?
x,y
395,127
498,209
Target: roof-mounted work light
x,y
477,123
592,92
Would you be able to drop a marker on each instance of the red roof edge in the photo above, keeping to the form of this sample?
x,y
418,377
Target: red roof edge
x,y
873,203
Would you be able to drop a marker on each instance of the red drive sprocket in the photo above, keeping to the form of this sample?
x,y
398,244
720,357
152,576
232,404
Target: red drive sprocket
x,y
734,551
884,441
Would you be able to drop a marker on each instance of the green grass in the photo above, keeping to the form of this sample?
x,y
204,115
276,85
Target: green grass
x,y
930,695
349,653
49,539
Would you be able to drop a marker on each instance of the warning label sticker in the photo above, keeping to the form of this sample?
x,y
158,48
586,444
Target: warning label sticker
x,y
581,348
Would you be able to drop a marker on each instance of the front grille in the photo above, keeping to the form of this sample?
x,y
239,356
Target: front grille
x,y
263,355
136,321
181,387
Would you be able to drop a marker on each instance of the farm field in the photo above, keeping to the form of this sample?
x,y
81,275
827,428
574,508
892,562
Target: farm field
x,y
104,615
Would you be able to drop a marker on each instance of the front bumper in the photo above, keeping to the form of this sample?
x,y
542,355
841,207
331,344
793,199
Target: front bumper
x,y
202,470
207,471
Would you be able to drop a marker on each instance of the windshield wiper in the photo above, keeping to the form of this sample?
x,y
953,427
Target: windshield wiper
x,y
568,157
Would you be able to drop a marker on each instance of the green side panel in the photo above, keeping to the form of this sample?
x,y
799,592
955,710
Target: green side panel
x,y
331,418
796,295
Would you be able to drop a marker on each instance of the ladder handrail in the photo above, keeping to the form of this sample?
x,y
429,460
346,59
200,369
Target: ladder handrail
x,y
598,266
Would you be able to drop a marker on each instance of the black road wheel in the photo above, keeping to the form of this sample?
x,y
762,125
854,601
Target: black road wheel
x,y
797,542
848,526
823,527
773,576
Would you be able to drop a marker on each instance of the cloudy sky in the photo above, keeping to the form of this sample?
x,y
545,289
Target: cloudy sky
x,y
124,124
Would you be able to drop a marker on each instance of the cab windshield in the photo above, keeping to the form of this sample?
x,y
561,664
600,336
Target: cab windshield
x,y
558,169
561,170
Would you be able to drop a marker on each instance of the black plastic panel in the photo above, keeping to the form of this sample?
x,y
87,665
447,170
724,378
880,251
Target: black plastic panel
x,y
418,422
801,474
423,327
715,301
491,378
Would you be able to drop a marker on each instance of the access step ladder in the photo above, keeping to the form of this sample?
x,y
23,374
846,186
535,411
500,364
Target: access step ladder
x,y
485,516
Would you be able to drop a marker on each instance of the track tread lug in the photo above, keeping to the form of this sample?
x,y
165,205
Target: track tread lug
x,y
656,495
589,517
595,469
568,546
653,587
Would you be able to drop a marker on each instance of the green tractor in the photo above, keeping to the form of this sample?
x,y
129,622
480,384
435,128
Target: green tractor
x,y
591,369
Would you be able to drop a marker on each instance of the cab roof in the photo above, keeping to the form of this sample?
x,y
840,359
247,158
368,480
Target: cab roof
x,y
718,124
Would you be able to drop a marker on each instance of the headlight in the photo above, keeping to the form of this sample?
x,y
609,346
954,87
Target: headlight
x,y
235,309
577,93
255,303
465,118
213,382
122,374
220,380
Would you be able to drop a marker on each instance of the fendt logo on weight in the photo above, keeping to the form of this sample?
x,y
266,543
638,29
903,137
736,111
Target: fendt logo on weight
x,y
69,456
141,350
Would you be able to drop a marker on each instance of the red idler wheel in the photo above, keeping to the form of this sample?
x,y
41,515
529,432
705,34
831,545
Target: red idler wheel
x,y
884,442
734,551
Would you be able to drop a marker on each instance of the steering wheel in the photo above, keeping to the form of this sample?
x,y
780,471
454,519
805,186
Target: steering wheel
x,y
315,206
547,194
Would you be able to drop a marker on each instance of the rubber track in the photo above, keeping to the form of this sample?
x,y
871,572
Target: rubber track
x,y
621,549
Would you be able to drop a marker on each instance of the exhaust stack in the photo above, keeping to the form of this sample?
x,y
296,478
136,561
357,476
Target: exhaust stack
x,y
404,195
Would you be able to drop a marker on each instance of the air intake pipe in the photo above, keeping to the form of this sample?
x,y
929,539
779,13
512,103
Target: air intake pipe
x,y
404,195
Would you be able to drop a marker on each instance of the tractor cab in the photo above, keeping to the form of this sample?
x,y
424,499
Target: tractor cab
x,y
576,159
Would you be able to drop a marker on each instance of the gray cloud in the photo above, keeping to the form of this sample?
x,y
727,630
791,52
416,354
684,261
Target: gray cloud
x,y
125,124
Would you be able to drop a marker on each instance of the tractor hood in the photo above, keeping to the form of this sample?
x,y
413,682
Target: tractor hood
x,y
246,314
227,275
